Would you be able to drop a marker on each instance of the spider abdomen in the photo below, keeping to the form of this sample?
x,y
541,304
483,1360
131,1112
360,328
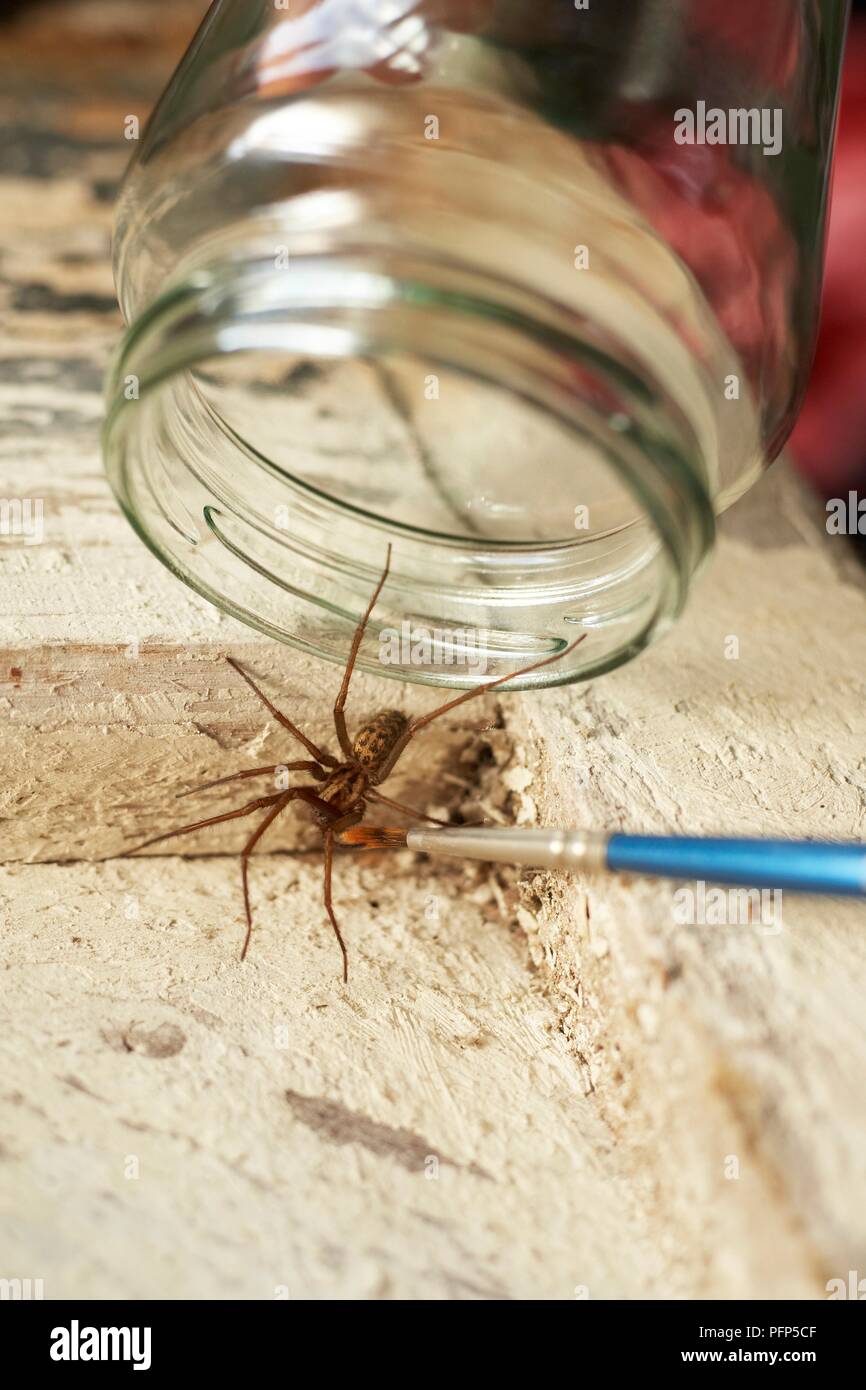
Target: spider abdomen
x,y
377,737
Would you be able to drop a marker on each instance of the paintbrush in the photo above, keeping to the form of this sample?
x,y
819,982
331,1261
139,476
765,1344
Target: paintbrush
x,y
795,866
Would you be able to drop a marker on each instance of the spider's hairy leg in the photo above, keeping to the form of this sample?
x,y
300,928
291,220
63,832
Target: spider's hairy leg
x,y
340,705
407,810
329,906
320,755
417,724
245,856
306,794
258,805
338,827
313,769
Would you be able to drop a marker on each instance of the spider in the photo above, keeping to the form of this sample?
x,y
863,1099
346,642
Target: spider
x,y
340,798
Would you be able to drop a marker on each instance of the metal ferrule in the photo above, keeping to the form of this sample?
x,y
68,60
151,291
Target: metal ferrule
x,y
558,849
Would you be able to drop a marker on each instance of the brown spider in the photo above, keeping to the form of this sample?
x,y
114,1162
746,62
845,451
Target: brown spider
x,y
339,801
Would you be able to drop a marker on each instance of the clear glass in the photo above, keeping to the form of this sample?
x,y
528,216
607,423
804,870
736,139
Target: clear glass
x,y
526,288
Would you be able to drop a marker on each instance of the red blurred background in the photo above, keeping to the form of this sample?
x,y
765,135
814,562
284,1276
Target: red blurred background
x,y
829,441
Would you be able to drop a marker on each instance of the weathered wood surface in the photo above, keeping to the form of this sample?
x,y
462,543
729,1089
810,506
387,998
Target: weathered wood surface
x,y
589,1073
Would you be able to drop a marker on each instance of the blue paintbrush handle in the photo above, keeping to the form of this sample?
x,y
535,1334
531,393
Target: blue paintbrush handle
x,y
800,866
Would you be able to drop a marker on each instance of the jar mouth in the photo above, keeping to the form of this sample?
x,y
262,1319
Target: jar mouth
x,y
271,429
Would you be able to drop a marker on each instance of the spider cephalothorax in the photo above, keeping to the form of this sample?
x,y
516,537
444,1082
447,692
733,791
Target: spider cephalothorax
x,y
345,788
342,791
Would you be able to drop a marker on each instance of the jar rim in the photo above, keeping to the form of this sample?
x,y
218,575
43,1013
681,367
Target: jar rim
x,y
244,306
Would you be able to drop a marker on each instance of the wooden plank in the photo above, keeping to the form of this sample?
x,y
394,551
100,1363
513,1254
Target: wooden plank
x,y
262,1131
717,1042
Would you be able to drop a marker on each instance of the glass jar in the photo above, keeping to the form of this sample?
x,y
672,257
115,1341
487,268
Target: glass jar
x,y
525,288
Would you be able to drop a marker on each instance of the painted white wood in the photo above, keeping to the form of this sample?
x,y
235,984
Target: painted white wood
x,y
588,1072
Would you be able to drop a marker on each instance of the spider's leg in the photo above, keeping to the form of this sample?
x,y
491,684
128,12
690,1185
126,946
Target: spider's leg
x,y
313,769
407,810
425,719
245,855
329,905
309,796
335,829
258,804
339,716
318,753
